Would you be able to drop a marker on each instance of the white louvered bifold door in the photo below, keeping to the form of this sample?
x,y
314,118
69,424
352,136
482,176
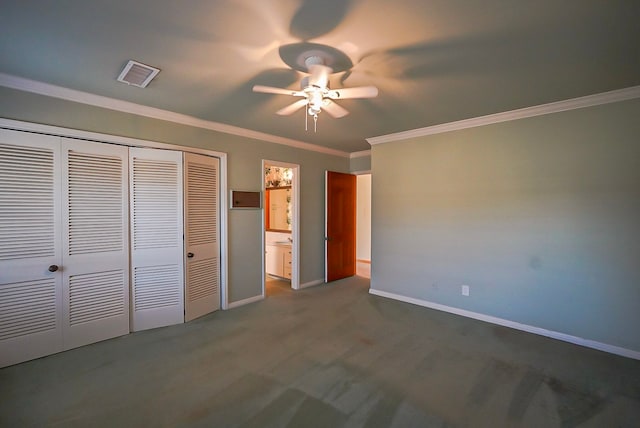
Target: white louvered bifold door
x,y
157,248
96,244
30,244
202,290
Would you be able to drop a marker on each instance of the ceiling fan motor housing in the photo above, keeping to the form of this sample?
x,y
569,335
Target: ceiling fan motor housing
x,y
306,84
313,60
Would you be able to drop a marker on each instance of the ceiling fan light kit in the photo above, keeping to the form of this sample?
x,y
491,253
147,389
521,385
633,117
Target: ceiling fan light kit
x,y
315,91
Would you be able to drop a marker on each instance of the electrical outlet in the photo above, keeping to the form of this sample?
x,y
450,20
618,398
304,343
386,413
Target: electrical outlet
x,y
465,290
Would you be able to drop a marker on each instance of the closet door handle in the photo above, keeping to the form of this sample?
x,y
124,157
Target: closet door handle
x,y
53,268
190,255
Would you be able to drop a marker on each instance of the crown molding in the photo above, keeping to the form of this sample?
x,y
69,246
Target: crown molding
x,y
539,110
361,154
47,89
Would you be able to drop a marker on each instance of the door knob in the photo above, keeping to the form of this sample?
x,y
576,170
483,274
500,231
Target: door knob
x,y
53,268
190,255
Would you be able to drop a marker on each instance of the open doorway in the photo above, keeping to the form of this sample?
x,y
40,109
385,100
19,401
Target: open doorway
x,y
363,226
281,227
347,225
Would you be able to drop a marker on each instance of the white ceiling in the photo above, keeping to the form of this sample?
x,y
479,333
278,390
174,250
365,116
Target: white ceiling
x,y
434,61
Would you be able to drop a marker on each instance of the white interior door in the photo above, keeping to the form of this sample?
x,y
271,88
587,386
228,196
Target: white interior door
x,y
157,249
202,288
96,245
30,245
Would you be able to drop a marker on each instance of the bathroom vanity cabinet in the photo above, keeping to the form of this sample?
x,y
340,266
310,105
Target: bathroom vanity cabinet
x,y
278,260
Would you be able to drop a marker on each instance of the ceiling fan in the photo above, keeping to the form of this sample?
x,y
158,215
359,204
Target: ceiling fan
x,y
315,92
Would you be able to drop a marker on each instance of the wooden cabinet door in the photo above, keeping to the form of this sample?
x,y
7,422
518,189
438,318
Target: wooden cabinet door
x,y
273,260
286,262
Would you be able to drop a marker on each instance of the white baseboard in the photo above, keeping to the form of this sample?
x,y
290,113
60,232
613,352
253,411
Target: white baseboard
x,y
312,283
245,302
612,349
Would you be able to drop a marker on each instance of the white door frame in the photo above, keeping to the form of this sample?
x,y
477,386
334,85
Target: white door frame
x,y
295,230
134,142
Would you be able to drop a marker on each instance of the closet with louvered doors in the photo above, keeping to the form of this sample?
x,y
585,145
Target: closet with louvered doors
x,y
69,274
64,250
173,194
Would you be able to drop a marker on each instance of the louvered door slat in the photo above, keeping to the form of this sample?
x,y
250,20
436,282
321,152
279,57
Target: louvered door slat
x,y
27,307
96,271
157,243
30,295
202,203
96,296
27,195
201,234
95,203
156,287
203,283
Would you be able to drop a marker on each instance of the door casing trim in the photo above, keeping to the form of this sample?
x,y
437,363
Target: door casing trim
x,y
295,231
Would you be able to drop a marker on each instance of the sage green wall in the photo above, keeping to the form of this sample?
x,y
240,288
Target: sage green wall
x,y
244,166
360,164
539,216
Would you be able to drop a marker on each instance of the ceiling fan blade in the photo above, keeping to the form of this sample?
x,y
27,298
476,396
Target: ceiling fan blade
x,y
319,75
277,91
291,108
358,92
334,109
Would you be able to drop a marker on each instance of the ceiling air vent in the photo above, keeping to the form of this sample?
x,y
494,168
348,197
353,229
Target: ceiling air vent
x,y
137,74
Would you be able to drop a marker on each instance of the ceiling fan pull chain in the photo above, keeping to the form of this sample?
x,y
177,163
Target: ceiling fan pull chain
x,y
306,120
315,123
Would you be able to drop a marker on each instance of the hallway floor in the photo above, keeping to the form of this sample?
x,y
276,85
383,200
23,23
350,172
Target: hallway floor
x,y
328,356
276,286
